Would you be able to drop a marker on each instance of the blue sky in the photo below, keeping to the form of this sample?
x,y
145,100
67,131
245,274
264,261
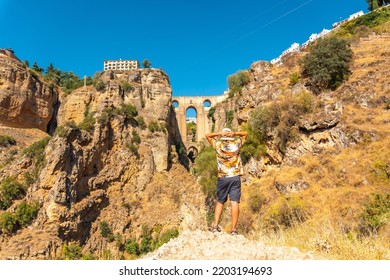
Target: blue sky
x,y
197,43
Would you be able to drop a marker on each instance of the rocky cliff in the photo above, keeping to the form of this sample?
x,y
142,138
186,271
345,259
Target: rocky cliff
x,y
320,167
25,100
111,165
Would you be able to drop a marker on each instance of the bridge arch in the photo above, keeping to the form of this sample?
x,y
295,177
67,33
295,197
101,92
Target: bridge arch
x,y
192,153
202,105
191,121
175,103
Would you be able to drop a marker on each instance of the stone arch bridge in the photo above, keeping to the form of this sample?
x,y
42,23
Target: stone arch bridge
x,y
202,105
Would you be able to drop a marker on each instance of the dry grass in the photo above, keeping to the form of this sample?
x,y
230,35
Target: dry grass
x,y
341,182
341,179
328,241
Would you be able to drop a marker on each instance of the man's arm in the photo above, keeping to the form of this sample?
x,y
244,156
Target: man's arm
x,y
242,134
210,136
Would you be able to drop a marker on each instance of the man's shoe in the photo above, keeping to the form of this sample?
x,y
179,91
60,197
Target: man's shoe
x,y
216,229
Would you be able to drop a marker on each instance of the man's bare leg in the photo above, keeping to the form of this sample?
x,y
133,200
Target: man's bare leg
x,y
235,214
217,213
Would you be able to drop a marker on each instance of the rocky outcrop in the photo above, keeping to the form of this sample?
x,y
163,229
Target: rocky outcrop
x,y
265,86
200,245
25,100
116,171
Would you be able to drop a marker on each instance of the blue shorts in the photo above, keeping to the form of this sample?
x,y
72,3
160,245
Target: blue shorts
x,y
229,186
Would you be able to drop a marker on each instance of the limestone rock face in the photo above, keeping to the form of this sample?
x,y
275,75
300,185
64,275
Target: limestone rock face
x,y
265,86
116,171
25,101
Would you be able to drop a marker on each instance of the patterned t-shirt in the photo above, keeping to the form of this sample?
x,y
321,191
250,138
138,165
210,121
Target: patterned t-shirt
x,y
228,157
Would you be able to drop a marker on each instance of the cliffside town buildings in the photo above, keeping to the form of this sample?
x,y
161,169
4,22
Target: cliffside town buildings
x,y
296,47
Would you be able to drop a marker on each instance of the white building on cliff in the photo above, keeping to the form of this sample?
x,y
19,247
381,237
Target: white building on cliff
x,y
121,65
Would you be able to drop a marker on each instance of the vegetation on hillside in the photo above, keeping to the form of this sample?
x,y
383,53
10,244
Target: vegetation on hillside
x,y
364,24
375,4
36,152
146,63
328,64
6,140
191,131
343,209
237,81
12,190
66,80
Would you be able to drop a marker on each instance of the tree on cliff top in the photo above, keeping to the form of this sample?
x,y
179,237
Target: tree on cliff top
x,y
374,4
146,63
328,63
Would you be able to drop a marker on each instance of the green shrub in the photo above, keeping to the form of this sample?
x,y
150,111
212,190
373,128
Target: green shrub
x,y
153,126
229,118
211,113
253,148
10,189
132,247
287,213
106,231
146,63
294,79
373,19
72,252
237,81
60,131
376,213
141,122
162,127
126,86
363,25
277,121
105,116
6,140
133,148
29,179
36,151
136,139
146,241
70,81
380,170
263,120
37,68
207,170
25,213
100,86
89,256
166,236
328,63
8,222
129,110
88,123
